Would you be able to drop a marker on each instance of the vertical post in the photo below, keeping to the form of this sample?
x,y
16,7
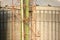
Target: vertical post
x,y
13,34
21,35
26,18
33,33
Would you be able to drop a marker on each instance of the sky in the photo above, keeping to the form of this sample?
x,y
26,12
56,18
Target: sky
x,y
51,2
39,2
8,2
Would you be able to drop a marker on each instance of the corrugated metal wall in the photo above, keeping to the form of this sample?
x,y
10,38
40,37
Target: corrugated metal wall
x,y
17,25
42,24
3,24
6,24
45,24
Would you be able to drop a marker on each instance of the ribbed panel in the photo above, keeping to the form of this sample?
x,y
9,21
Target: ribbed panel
x,y
45,25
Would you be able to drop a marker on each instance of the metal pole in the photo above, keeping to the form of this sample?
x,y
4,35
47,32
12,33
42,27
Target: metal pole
x,y
22,34
26,18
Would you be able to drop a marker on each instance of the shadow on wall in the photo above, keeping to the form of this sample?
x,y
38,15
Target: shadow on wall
x,y
3,24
